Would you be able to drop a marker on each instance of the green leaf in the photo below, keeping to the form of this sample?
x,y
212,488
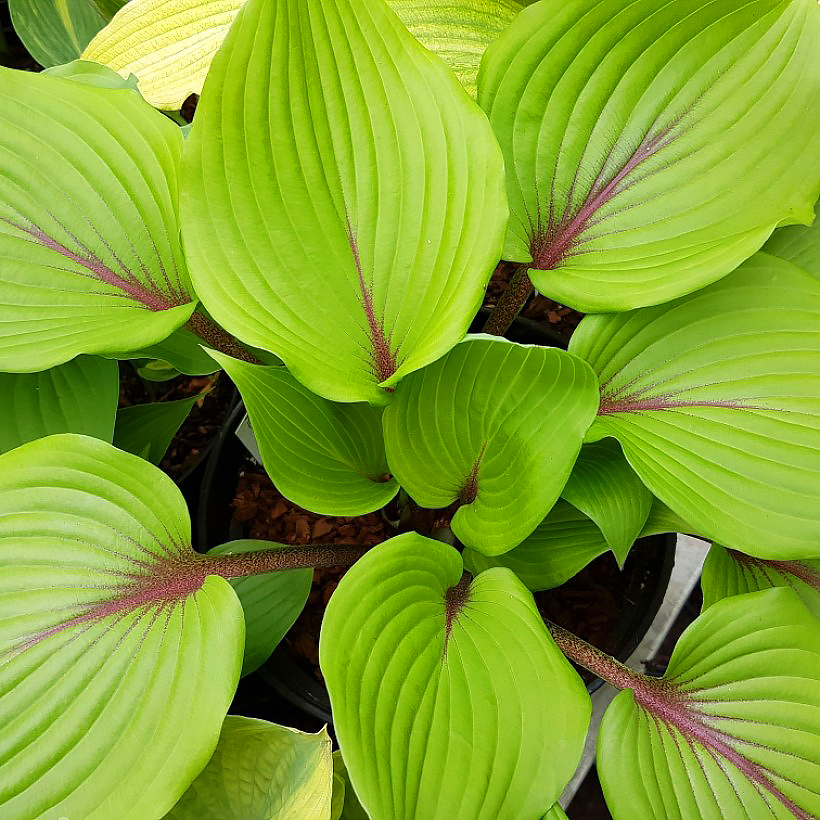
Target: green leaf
x,y
798,244
351,807
262,771
271,603
90,258
729,572
84,71
56,31
148,429
732,729
496,426
459,32
373,238
604,487
558,549
555,813
715,398
437,687
182,350
652,146
326,457
116,649
168,44
77,397
662,520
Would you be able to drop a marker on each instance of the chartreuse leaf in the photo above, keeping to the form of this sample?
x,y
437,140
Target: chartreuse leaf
x,y
661,520
460,32
798,244
77,397
326,457
729,572
360,254
351,808
603,486
168,44
652,146
84,71
438,689
558,549
182,350
90,258
271,603
56,31
116,649
262,771
555,813
148,429
496,426
732,729
715,398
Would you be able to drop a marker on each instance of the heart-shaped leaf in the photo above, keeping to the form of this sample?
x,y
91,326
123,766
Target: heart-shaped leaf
x,y
729,572
147,429
77,397
460,32
604,487
118,655
715,399
262,771
168,44
56,31
271,603
559,548
90,258
798,244
496,426
733,728
326,457
439,689
652,146
367,254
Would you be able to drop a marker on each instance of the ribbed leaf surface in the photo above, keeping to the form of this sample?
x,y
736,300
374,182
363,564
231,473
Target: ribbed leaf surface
x,y
559,548
496,426
459,32
271,603
733,728
715,399
326,457
438,689
116,652
798,244
661,519
168,44
728,572
148,429
652,145
90,258
77,397
261,771
350,223
604,487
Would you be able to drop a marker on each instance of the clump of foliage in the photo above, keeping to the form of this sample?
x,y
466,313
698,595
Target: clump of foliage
x,y
325,234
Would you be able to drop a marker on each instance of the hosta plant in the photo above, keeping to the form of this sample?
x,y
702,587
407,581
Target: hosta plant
x,y
324,234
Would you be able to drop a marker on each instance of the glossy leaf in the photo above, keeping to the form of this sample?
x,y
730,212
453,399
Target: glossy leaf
x,y
732,729
558,549
77,397
262,771
326,457
116,649
148,429
409,652
459,32
56,31
90,258
798,244
728,572
360,254
604,487
496,426
168,44
715,398
271,603
652,146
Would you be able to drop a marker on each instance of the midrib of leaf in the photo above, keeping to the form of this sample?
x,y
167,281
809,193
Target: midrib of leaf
x,y
788,570
667,702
